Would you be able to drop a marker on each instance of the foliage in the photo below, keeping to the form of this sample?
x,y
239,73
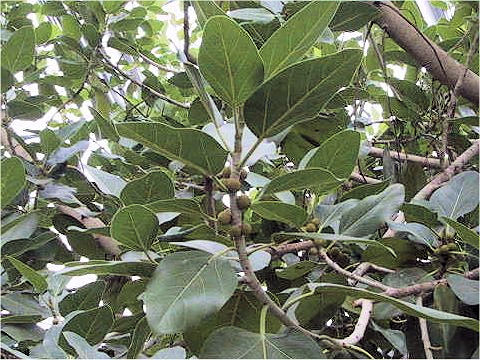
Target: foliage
x,y
125,152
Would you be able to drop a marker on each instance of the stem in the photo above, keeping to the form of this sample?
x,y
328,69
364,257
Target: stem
x,y
210,202
250,277
424,332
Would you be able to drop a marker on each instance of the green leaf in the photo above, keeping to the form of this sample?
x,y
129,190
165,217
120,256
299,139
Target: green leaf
x,y
466,289
372,212
395,337
229,60
290,42
351,16
106,127
298,93
234,343
322,180
92,324
205,10
12,180
7,80
70,27
340,238
468,236
294,271
444,300
98,267
458,197
418,233
338,154
49,141
37,280
140,335
83,349
187,287
242,310
156,185
192,147
107,183
184,206
24,305
17,53
409,308
135,227
85,298
278,211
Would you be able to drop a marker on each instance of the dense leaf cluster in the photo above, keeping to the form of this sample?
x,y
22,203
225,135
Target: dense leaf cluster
x,y
222,196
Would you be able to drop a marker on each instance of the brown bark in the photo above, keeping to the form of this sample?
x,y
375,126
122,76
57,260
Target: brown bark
x,y
425,161
425,52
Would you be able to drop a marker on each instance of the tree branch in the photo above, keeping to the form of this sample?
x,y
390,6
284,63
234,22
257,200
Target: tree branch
x,y
364,179
425,52
425,161
360,326
454,168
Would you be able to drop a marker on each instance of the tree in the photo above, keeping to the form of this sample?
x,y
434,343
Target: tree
x,y
289,180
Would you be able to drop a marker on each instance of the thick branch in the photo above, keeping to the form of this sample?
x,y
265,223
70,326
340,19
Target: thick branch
x,y
361,325
454,168
426,53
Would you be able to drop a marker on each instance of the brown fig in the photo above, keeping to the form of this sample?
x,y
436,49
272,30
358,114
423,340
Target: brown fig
x,y
232,185
310,227
246,229
243,202
225,217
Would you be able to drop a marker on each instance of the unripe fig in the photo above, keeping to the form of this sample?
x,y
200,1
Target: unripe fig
x,y
226,172
236,231
310,227
225,217
243,202
320,242
246,229
315,221
452,246
232,185
313,251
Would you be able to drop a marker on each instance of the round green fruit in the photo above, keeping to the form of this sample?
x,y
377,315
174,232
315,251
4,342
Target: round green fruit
x,y
232,185
225,217
243,202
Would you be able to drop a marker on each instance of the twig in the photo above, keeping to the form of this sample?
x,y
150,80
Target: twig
x,y
208,187
454,168
424,331
364,179
153,91
323,254
186,33
157,65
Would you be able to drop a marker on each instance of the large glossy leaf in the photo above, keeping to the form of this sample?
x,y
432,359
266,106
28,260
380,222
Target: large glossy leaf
x,y
187,287
242,311
229,60
85,298
409,308
92,324
323,181
34,278
83,349
205,10
290,42
107,183
338,153
458,197
234,343
184,206
468,236
372,212
278,211
352,15
192,147
12,180
17,53
418,233
154,186
466,289
135,227
140,335
299,92
444,300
